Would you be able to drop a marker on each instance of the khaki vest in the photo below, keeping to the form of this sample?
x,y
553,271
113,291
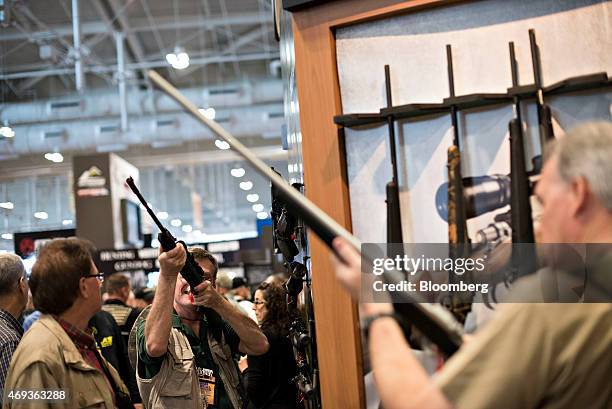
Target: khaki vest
x,y
176,384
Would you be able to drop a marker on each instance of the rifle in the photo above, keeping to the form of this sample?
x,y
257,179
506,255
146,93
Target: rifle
x,y
458,240
394,219
191,271
520,192
408,306
544,111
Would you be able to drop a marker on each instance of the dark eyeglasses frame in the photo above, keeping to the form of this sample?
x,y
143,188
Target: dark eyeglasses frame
x,y
99,276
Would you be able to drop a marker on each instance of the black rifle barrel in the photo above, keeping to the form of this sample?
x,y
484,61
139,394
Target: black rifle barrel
x,y
394,218
430,324
544,111
132,185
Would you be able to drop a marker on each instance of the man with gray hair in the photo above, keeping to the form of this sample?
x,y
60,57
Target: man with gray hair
x,y
531,355
13,300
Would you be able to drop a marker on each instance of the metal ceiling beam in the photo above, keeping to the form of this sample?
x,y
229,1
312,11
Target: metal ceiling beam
x,y
141,25
214,59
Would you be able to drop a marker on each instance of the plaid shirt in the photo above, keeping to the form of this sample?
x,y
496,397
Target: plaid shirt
x,y
86,344
10,335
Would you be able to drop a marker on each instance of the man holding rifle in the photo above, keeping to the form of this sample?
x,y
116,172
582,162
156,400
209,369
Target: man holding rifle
x,y
531,355
180,360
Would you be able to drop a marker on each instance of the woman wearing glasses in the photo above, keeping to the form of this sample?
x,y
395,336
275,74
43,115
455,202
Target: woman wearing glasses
x,y
268,377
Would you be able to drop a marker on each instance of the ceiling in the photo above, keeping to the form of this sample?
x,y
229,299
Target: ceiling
x,y
229,43
226,41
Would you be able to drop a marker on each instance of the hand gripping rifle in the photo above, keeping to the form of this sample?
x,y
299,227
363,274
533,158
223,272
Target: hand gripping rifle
x,y
422,315
191,271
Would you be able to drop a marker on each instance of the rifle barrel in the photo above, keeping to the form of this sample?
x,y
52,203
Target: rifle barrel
x,y
132,185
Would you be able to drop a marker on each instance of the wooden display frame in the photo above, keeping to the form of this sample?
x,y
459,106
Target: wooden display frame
x,y
337,319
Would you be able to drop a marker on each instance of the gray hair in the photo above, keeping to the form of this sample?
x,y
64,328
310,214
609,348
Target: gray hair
x,y
587,151
11,270
224,281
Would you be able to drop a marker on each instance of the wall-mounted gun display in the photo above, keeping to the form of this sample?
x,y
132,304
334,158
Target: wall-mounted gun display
x,y
287,230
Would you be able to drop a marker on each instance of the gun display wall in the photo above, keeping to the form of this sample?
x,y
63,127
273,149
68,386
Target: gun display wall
x,y
502,112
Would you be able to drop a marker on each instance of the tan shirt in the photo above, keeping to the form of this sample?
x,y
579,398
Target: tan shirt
x,y
535,356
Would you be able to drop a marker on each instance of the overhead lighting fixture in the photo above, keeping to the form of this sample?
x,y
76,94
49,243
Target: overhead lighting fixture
x,y
7,236
41,215
209,113
176,222
179,59
248,185
187,228
7,205
66,222
237,172
54,157
262,215
253,197
258,207
222,144
162,215
7,132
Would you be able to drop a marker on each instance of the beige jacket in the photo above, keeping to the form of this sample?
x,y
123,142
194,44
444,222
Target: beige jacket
x,y
47,358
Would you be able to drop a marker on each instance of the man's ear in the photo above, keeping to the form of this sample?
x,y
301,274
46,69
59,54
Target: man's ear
x,y
83,287
580,191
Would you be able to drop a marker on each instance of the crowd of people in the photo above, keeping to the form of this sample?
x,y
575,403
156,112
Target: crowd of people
x,y
87,341
219,346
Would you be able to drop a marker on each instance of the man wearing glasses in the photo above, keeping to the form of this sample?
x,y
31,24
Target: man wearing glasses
x,y
58,353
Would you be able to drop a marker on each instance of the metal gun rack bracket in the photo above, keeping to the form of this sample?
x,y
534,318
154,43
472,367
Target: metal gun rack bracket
x,y
418,111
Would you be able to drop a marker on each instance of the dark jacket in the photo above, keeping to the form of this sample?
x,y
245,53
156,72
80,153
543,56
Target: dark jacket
x,y
109,340
124,315
268,378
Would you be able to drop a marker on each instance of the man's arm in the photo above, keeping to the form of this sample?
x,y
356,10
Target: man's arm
x,y
252,340
400,379
159,320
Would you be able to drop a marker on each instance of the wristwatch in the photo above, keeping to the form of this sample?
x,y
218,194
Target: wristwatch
x,y
367,321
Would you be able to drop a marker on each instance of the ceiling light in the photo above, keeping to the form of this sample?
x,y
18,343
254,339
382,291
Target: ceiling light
x,y
176,222
237,172
187,228
258,207
54,157
66,222
179,59
7,132
7,205
248,185
222,144
162,215
262,215
253,197
41,215
208,112
7,236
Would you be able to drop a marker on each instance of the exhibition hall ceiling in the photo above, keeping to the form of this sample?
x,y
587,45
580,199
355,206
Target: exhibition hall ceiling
x,y
221,53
